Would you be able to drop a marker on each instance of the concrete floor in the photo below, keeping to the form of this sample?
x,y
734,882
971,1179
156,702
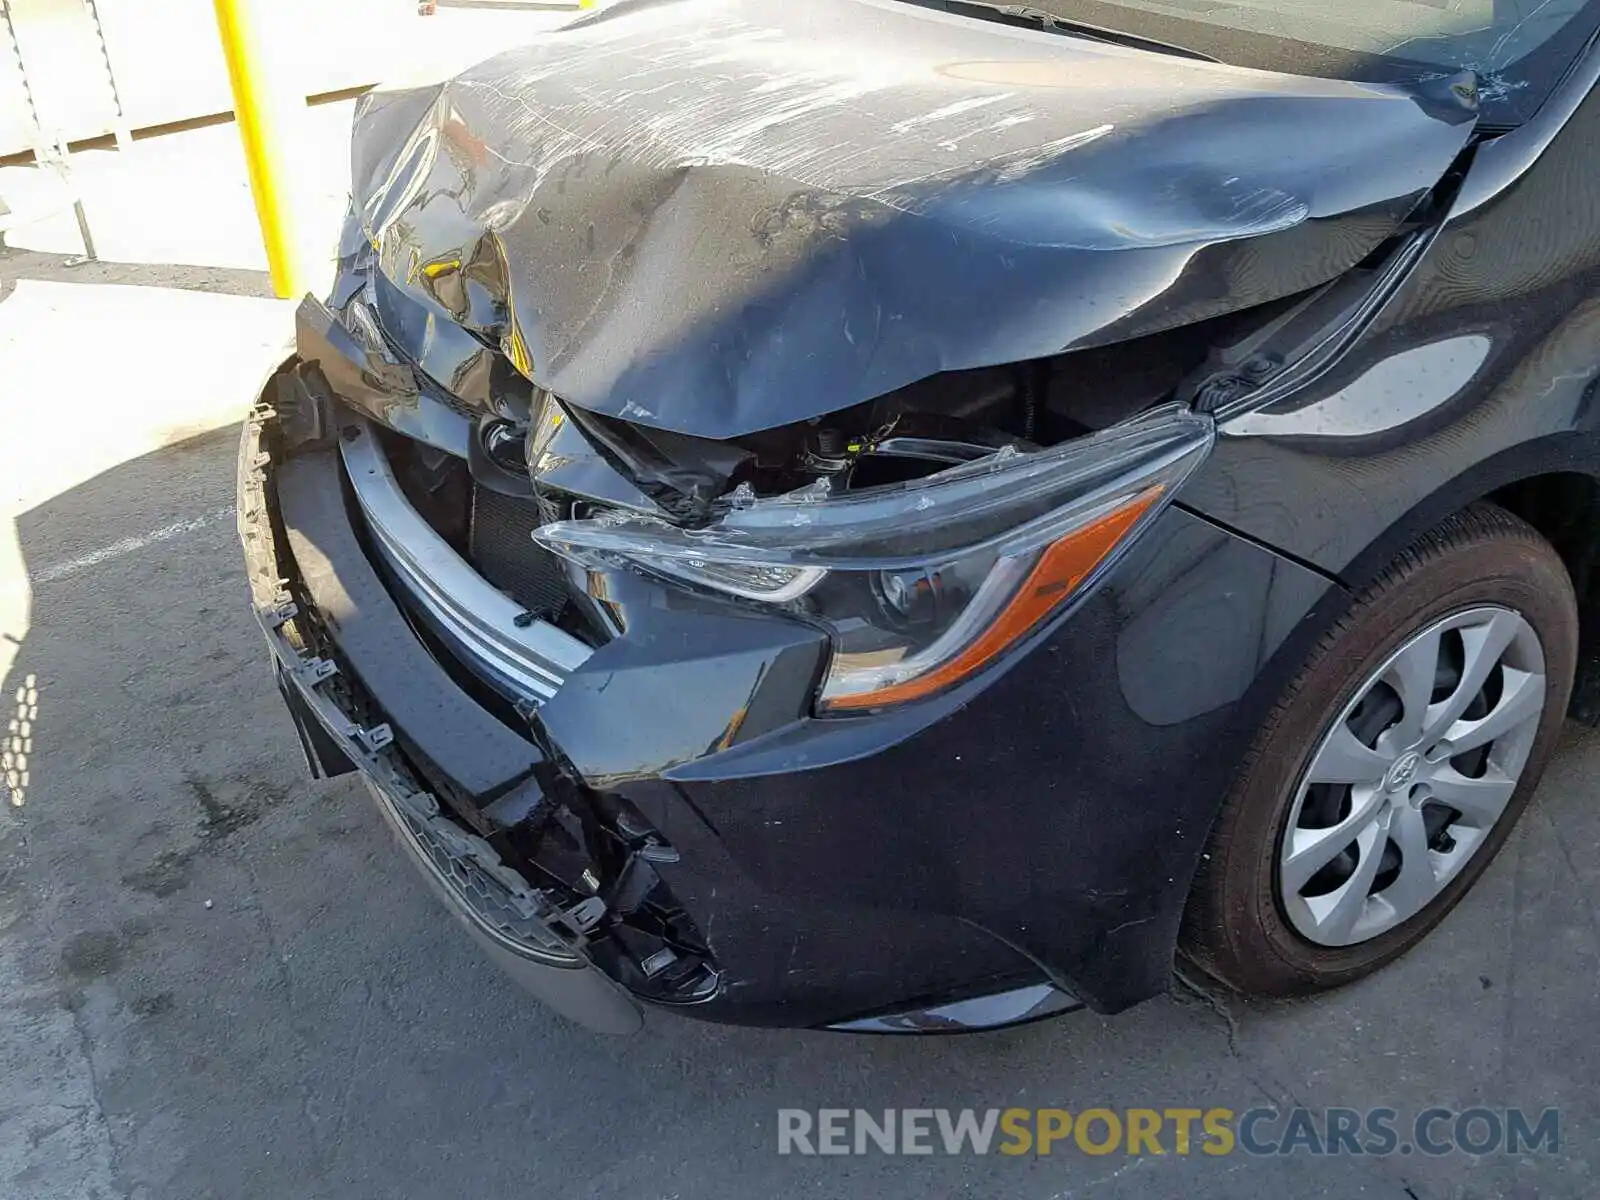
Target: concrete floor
x,y
219,979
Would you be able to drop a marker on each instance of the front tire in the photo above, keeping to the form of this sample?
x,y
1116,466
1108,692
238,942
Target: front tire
x,y
1392,770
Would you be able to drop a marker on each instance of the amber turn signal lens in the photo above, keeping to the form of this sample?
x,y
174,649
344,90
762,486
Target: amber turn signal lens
x,y
1061,569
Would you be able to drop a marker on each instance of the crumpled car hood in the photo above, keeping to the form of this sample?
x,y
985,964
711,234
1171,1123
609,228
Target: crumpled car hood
x,y
719,216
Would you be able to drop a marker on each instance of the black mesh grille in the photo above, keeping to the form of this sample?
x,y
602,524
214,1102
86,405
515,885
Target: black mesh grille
x,y
521,918
502,548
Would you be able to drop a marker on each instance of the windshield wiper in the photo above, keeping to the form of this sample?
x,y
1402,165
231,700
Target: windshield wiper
x,y
1022,14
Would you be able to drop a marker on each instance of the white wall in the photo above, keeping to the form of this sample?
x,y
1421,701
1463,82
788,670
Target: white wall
x,y
169,67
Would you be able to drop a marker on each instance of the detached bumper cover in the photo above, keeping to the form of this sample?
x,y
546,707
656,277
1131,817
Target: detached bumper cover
x,y
538,944
1039,826
368,692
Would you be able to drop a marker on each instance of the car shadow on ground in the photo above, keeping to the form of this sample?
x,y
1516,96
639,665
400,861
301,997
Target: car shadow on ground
x,y
261,999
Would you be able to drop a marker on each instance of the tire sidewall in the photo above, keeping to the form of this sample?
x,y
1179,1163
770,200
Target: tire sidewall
x,y
1522,574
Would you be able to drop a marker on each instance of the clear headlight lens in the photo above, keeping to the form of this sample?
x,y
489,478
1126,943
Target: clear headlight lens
x,y
921,584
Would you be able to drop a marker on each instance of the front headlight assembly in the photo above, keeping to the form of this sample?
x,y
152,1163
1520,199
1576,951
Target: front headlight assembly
x,y
923,583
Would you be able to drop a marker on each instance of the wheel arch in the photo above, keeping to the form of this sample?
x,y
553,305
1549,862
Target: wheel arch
x,y
1552,483
1564,506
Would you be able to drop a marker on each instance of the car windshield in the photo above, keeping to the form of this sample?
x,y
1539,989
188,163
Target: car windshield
x,y
1518,48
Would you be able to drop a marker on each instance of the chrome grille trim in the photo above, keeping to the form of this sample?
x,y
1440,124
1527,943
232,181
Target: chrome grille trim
x,y
479,620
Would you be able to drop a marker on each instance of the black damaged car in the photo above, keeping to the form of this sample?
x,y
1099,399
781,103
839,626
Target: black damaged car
x,y
906,516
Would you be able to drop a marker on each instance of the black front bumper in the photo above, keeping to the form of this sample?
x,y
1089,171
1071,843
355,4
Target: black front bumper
x,y
1037,828
367,694
538,945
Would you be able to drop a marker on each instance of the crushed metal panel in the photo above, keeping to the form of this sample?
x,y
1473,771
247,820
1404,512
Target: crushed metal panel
x,y
718,216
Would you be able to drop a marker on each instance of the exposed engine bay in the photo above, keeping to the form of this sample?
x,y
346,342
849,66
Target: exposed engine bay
x,y
943,421
518,458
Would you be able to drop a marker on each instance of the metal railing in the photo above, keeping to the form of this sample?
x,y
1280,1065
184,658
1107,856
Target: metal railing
x,y
50,149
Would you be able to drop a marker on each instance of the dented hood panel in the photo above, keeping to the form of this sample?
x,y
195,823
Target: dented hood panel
x,y
718,216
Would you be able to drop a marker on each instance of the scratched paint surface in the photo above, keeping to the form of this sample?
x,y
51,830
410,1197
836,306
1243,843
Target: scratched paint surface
x,y
717,216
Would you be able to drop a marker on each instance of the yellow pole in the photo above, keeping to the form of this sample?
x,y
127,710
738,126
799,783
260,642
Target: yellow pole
x,y
264,113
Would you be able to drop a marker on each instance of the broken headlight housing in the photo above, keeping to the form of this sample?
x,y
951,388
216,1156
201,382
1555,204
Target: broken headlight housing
x,y
920,584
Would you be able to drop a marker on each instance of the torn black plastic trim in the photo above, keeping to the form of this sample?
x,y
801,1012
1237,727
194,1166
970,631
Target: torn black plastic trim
x,y
483,759
508,797
325,757
682,475
1305,342
516,924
